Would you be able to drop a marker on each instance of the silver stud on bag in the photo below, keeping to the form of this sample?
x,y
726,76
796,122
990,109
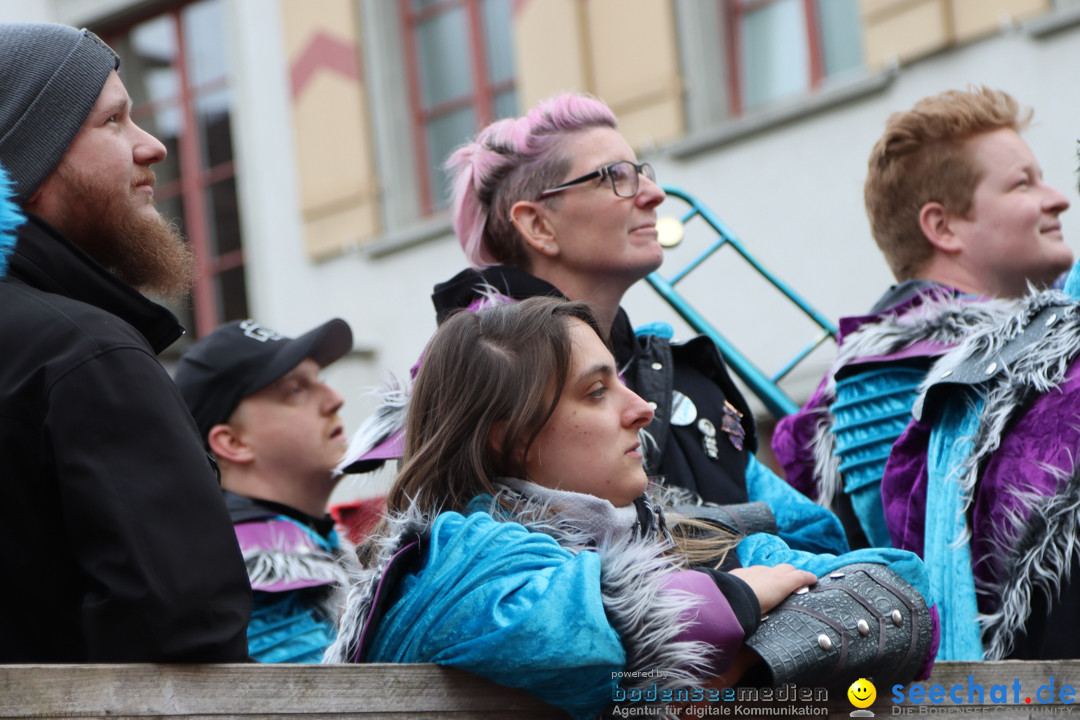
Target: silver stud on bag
x,y
991,368
824,642
802,591
897,618
836,575
864,627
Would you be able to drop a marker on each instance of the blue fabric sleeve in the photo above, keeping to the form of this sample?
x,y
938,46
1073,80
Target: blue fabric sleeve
x,y
511,605
765,549
803,524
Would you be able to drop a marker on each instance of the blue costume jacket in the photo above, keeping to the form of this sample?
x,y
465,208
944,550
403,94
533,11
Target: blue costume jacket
x,y
296,568
542,606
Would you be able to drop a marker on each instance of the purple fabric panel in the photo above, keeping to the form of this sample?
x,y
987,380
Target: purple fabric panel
x,y
922,348
281,536
713,620
903,488
792,444
376,599
850,324
935,641
391,448
1046,436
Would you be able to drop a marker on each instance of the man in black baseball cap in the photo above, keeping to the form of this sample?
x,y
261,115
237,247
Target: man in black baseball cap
x,y
273,426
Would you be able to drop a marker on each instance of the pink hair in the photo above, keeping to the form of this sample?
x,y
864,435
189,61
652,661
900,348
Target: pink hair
x,y
510,160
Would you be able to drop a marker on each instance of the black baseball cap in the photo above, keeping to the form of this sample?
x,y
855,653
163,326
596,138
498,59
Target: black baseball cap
x,y
242,357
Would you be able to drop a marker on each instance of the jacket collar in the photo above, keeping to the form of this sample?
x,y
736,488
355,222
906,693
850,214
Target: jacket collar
x,y
246,509
46,260
461,290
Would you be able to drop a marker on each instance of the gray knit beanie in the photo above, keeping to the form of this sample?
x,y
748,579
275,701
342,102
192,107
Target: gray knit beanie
x,y
50,77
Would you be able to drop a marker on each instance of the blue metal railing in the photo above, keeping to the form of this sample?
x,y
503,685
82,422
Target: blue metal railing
x,y
762,385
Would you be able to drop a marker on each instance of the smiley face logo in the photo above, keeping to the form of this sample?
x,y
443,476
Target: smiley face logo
x,y
862,693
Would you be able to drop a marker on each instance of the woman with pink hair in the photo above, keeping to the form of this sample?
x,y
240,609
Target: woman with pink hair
x,y
557,203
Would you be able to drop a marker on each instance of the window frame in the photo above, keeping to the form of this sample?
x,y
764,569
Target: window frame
x,y
735,10
481,98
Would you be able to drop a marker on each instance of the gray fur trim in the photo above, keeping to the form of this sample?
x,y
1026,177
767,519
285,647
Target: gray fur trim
x,y
388,418
1036,561
1034,549
741,518
364,581
267,567
645,614
946,321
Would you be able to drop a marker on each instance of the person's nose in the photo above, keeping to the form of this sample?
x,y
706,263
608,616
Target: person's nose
x,y
650,194
638,413
1055,202
332,399
148,149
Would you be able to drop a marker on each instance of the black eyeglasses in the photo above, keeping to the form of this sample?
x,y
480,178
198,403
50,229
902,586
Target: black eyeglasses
x,y
622,174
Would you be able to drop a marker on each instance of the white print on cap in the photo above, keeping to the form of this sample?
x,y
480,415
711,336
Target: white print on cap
x,y
255,331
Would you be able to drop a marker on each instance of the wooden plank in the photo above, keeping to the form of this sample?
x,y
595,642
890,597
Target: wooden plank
x,y
252,691
394,692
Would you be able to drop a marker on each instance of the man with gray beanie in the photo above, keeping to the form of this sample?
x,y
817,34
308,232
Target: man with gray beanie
x,y
115,545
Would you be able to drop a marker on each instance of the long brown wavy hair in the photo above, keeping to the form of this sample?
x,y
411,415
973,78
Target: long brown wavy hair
x,y
501,370
505,364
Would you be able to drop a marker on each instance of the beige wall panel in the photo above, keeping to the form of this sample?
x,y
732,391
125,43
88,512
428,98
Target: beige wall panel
x,y
303,18
549,42
647,126
873,10
636,65
919,30
335,161
329,236
977,18
331,150
633,46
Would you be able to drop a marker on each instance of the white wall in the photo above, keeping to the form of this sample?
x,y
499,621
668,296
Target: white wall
x,y
27,11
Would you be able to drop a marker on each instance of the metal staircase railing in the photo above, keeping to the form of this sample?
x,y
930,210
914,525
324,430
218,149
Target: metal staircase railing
x,y
762,385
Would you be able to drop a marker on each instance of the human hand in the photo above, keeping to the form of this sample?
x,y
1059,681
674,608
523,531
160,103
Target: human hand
x,y
773,584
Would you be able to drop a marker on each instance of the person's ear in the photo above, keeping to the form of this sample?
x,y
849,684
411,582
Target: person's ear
x,y
532,222
938,227
227,444
497,436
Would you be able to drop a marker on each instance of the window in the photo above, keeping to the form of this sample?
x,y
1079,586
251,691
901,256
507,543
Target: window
x,y
175,67
461,77
783,48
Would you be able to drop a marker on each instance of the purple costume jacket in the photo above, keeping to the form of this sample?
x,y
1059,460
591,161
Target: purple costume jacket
x,y
834,450
1020,483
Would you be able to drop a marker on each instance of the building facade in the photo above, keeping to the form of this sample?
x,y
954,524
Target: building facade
x,y
306,139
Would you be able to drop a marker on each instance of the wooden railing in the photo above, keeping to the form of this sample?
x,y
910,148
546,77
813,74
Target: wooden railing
x,y
333,692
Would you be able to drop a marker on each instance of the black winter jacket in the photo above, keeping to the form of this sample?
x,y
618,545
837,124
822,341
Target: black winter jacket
x,y
115,545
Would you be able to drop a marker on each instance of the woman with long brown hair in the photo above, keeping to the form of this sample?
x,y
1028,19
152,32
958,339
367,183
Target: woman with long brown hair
x,y
521,542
